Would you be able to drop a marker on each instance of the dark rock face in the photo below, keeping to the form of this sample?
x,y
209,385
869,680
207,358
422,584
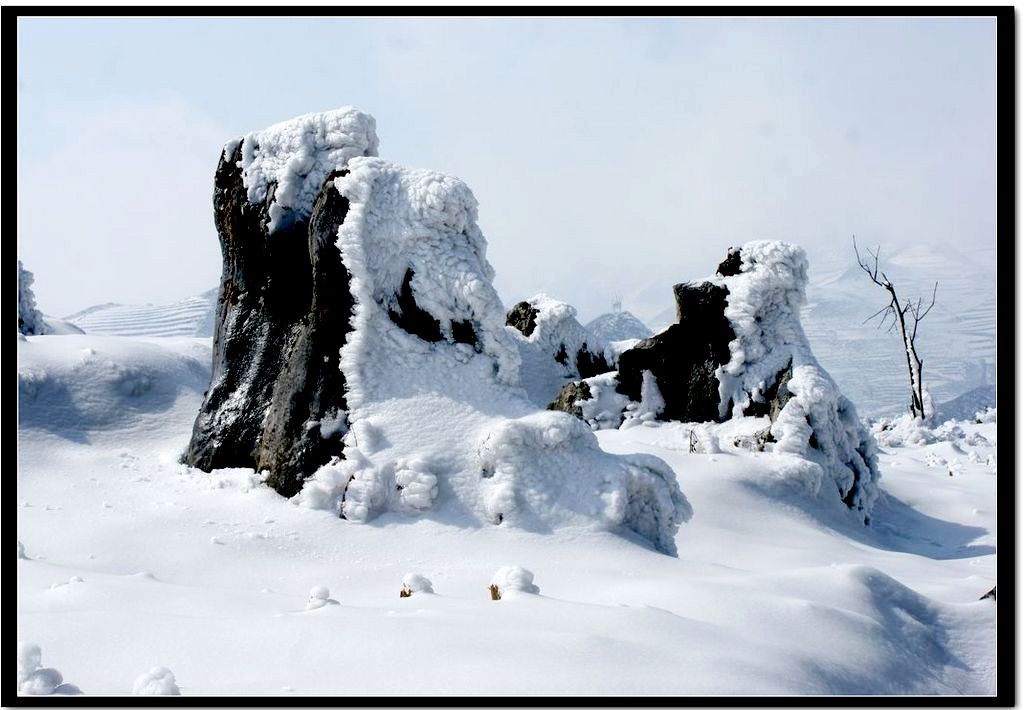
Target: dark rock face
x,y
522,317
568,396
683,358
590,364
282,315
730,266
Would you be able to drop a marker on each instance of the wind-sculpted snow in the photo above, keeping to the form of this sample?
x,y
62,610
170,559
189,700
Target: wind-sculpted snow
x,y
294,157
437,422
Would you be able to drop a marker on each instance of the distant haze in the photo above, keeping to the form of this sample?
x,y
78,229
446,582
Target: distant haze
x,y
610,157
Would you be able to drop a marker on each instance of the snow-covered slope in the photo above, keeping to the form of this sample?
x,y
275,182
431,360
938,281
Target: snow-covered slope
x,y
191,317
131,562
618,325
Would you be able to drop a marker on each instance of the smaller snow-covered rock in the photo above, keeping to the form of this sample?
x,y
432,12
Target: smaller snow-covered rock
x,y
43,681
35,680
318,596
618,325
513,579
414,583
157,681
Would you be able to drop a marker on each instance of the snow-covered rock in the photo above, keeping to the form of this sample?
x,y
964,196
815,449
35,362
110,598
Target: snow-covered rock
x,y
360,337
156,681
738,349
414,583
554,347
513,579
33,679
284,302
437,420
30,320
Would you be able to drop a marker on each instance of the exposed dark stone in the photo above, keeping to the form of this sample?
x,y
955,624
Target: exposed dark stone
x,y
464,332
523,317
311,384
775,397
684,357
561,357
590,364
568,396
410,317
283,308
990,594
731,265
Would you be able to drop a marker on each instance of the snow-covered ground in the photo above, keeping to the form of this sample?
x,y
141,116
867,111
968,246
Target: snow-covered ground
x,y
192,316
140,573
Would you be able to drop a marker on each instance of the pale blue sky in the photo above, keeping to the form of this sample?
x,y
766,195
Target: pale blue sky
x,y
606,154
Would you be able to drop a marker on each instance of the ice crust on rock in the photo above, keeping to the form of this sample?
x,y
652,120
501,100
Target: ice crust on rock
x,y
417,584
33,679
295,156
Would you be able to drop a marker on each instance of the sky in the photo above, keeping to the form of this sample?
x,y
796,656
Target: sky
x,y
610,157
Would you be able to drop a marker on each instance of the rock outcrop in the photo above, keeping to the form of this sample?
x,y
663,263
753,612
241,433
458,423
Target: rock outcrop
x,y
738,349
284,302
361,355
30,320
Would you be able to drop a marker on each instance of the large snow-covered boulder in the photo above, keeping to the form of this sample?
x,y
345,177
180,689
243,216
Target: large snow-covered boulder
x,y
362,358
738,349
554,347
437,420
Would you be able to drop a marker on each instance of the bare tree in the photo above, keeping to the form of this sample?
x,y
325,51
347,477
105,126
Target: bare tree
x,y
906,317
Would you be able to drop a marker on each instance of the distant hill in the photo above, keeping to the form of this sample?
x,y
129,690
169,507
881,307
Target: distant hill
x,y
618,325
189,317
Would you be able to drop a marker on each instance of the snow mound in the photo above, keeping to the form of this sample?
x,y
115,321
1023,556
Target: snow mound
x,y
817,422
157,681
437,421
548,466
417,584
619,325
557,351
294,157
512,579
33,679
73,385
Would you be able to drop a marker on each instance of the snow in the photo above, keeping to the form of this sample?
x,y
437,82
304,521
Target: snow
x,y
33,679
297,155
157,681
773,591
818,422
